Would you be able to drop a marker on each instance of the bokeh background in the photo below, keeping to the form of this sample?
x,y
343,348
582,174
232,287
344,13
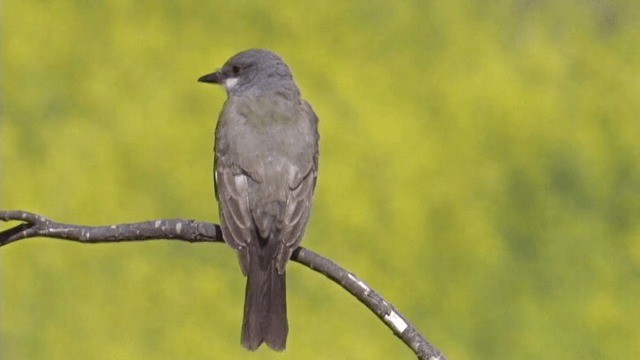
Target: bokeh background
x,y
480,167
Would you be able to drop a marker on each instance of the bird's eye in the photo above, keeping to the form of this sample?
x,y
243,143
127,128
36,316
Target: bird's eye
x,y
236,69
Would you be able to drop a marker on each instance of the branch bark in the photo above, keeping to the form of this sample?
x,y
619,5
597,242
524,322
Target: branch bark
x,y
34,225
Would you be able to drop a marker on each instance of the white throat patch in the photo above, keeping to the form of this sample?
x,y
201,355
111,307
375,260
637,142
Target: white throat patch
x,y
230,83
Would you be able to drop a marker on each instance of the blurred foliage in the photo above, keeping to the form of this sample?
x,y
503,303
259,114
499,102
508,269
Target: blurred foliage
x,y
480,167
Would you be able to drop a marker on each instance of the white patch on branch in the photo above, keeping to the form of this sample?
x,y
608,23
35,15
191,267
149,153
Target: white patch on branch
x,y
179,228
396,321
157,224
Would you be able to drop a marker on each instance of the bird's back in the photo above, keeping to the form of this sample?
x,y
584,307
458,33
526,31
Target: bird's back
x,y
272,140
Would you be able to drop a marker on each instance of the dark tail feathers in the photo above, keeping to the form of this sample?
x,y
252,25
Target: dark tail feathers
x,y
265,308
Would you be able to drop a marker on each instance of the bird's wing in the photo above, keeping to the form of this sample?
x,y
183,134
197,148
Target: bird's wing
x,y
232,189
232,185
301,189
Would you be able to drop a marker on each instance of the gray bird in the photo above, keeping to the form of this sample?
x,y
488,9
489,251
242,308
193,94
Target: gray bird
x,y
265,169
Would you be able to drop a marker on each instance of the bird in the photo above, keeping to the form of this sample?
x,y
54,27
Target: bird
x,y
265,172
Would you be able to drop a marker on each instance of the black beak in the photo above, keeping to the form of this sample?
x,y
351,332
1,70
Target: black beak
x,y
213,78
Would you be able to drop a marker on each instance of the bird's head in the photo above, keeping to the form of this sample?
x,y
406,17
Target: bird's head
x,y
253,70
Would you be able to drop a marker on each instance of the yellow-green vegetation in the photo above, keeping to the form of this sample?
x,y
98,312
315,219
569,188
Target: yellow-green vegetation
x,y
480,167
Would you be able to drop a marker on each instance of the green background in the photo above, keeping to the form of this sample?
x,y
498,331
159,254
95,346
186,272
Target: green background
x,y
480,167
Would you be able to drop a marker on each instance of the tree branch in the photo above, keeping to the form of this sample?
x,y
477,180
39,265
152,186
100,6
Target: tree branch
x,y
34,225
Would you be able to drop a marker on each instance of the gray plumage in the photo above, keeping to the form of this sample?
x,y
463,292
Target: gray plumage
x,y
265,168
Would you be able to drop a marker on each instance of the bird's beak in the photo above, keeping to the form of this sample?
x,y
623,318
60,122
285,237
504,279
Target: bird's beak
x,y
213,78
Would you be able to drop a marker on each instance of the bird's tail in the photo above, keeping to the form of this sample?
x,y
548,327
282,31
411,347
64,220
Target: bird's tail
x,y
265,307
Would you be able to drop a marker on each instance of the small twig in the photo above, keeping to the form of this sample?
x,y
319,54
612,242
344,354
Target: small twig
x,y
34,225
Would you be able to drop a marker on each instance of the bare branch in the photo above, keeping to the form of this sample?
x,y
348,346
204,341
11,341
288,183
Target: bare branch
x,y
34,225
384,310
